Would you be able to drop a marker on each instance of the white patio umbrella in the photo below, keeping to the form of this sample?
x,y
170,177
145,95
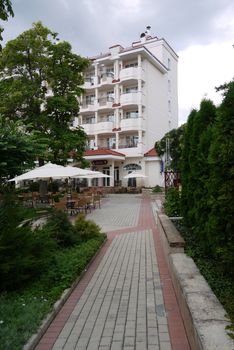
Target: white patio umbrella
x,y
93,175
51,170
134,174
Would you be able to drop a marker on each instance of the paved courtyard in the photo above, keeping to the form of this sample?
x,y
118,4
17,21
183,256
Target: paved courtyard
x,y
126,299
119,211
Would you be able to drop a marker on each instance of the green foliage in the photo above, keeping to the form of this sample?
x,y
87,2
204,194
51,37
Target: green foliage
x,y
68,264
157,189
60,229
22,312
40,80
86,229
172,202
207,178
24,255
5,11
175,137
221,283
220,184
18,150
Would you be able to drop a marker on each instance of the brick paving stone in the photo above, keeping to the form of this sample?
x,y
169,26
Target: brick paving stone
x,y
165,346
122,306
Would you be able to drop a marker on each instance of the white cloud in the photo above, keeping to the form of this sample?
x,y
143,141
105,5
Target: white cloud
x,y
201,69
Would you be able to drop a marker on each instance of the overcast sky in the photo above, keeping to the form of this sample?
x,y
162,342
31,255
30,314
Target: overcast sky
x,y
200,31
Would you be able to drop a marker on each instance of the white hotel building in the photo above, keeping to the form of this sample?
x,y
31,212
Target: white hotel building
x,y
130,102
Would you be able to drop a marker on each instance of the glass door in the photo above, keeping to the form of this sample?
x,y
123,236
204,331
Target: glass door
x,y
106,180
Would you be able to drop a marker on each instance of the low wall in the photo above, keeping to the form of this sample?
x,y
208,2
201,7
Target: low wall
x,y
203,315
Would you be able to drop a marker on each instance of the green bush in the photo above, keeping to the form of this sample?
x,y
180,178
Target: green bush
x,y
172,202
221,283
61,230
22,312
86,229
24,255
157,189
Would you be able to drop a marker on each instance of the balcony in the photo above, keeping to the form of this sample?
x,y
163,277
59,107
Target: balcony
x,y
89,128
132,73
104,127
88,106
105,102
132,98
132,124
89,82
131,149
106,78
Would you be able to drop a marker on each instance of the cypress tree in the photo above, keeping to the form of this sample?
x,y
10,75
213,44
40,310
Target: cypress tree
x,y
219,225
186,195
201,170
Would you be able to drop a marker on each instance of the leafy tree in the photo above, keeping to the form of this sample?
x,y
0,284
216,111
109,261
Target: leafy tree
x,y
40,81
175,141
18,150
5,11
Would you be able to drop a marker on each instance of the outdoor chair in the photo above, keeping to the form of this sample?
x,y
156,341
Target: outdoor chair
x,y
62,205
97,201
82,205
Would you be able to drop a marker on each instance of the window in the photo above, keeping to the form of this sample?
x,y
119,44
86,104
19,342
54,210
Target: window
x,y
133,114
169,63
132,141
132,167
89,100
169,106
111,141
131,89
110,117
110,70
110,94
89,120
129,65
169,85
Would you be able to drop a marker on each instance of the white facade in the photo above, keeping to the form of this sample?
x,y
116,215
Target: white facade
x,y
130,102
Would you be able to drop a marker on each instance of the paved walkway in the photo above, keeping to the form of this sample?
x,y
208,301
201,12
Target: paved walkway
x,y
126,299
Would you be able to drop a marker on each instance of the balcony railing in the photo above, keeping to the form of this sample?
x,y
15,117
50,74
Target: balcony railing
x,y
87,104
105,101
89,82
113,146
128,145
104,127
106,78
132,124
131,73
134,97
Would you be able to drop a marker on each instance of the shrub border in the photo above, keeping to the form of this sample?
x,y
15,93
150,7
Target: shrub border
x,y
205,330
35,338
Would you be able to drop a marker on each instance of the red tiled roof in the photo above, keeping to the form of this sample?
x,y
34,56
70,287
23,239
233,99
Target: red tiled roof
x,y
151,153
103,152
